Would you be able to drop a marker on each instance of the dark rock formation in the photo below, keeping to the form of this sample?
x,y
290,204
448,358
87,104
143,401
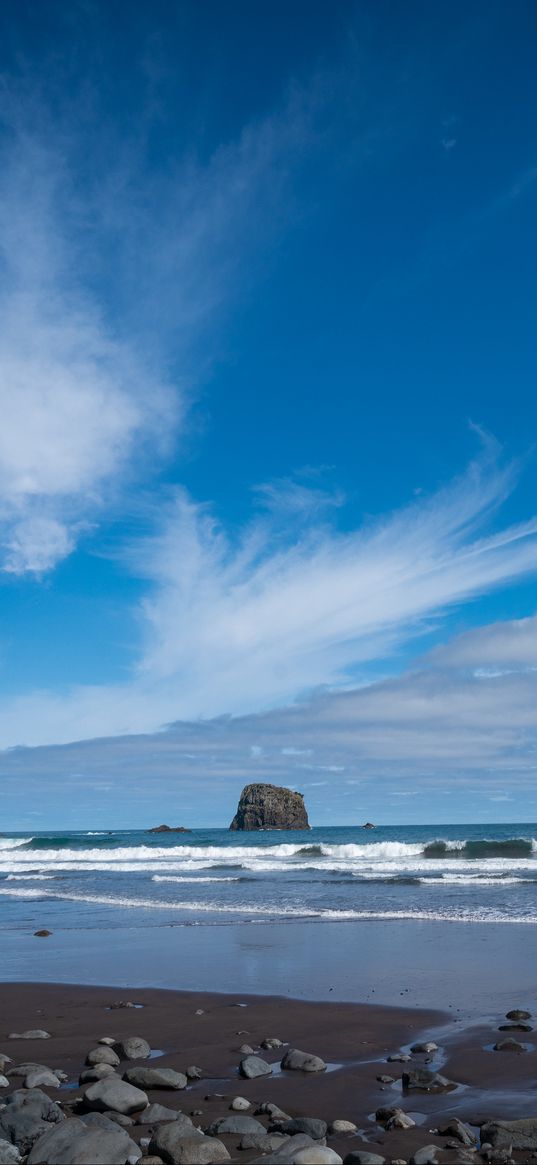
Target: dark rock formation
x,y
368,825
169,829
270,807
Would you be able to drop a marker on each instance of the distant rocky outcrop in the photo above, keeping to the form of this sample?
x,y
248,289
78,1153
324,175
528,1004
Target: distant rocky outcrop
x,y
169,829
270,807
368,825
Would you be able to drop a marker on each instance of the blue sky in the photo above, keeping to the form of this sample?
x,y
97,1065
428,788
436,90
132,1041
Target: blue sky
x,y
267,453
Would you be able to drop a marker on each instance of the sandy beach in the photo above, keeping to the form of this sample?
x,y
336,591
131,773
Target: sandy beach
x,y
354,1041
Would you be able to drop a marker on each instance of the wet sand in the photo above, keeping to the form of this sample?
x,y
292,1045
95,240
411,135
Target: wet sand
x,y
353,1039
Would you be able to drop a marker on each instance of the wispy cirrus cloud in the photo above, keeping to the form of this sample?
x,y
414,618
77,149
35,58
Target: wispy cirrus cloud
x,y
237,626
106,290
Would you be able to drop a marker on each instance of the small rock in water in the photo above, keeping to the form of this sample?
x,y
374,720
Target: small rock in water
x,y
517,1013
398,1058
42,933
515,1027
246,1050
239,1123
423,1080
271,1043
299,1061
386,1079
109,1041
37,1034
193,1072
395,1118
343,1127
200,1011
253,1066
269,1108
240,1104
427,1047
509,1045
123,1003
455,1128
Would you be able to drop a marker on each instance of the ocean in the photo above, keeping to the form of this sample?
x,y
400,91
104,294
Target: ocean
x,y
91,880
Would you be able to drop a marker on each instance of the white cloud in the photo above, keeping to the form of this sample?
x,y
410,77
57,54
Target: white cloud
x,y
241,627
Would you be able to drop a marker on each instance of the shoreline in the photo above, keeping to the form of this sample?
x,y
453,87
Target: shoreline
x,y
387,963
354,1039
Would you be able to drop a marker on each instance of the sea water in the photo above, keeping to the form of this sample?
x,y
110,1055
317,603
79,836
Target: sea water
x,y
124,879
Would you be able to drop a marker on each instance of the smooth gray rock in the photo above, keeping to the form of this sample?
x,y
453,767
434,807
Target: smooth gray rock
x,y
133,1048
119,1118
394,1118
317,1155
427,1155
193,1072
268,1108
339,1126
72,1143
517,1013
253,1066
97,1120
271,1043
4,1082
286,1155
9,1154
115,1094
98,1072
156,1078
268,1143
299,1061
521,1134
422,1080
426,1047
28,1066
155,1114
246,1050
398,1058
102,1055
311,1125
363,1157
41,1078
238,1123
32,1034
179,1143
26,1115
240,1104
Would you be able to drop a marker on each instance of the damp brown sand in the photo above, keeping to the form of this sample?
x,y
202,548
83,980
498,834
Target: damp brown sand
x,y
354,1040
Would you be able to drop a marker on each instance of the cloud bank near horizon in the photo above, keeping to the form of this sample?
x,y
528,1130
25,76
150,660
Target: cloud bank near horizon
x,y
445,731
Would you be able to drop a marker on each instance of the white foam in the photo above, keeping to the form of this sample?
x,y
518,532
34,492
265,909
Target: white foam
x,y
14,842
29,877
481,914
180,880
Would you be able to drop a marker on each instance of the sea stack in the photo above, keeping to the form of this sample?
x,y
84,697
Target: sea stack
x,y
270,807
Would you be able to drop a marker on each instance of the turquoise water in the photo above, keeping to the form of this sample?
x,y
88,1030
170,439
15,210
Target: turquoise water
x,y
92,879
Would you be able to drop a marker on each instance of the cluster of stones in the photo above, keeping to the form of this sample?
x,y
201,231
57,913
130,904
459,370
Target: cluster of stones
x,y
99,1127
